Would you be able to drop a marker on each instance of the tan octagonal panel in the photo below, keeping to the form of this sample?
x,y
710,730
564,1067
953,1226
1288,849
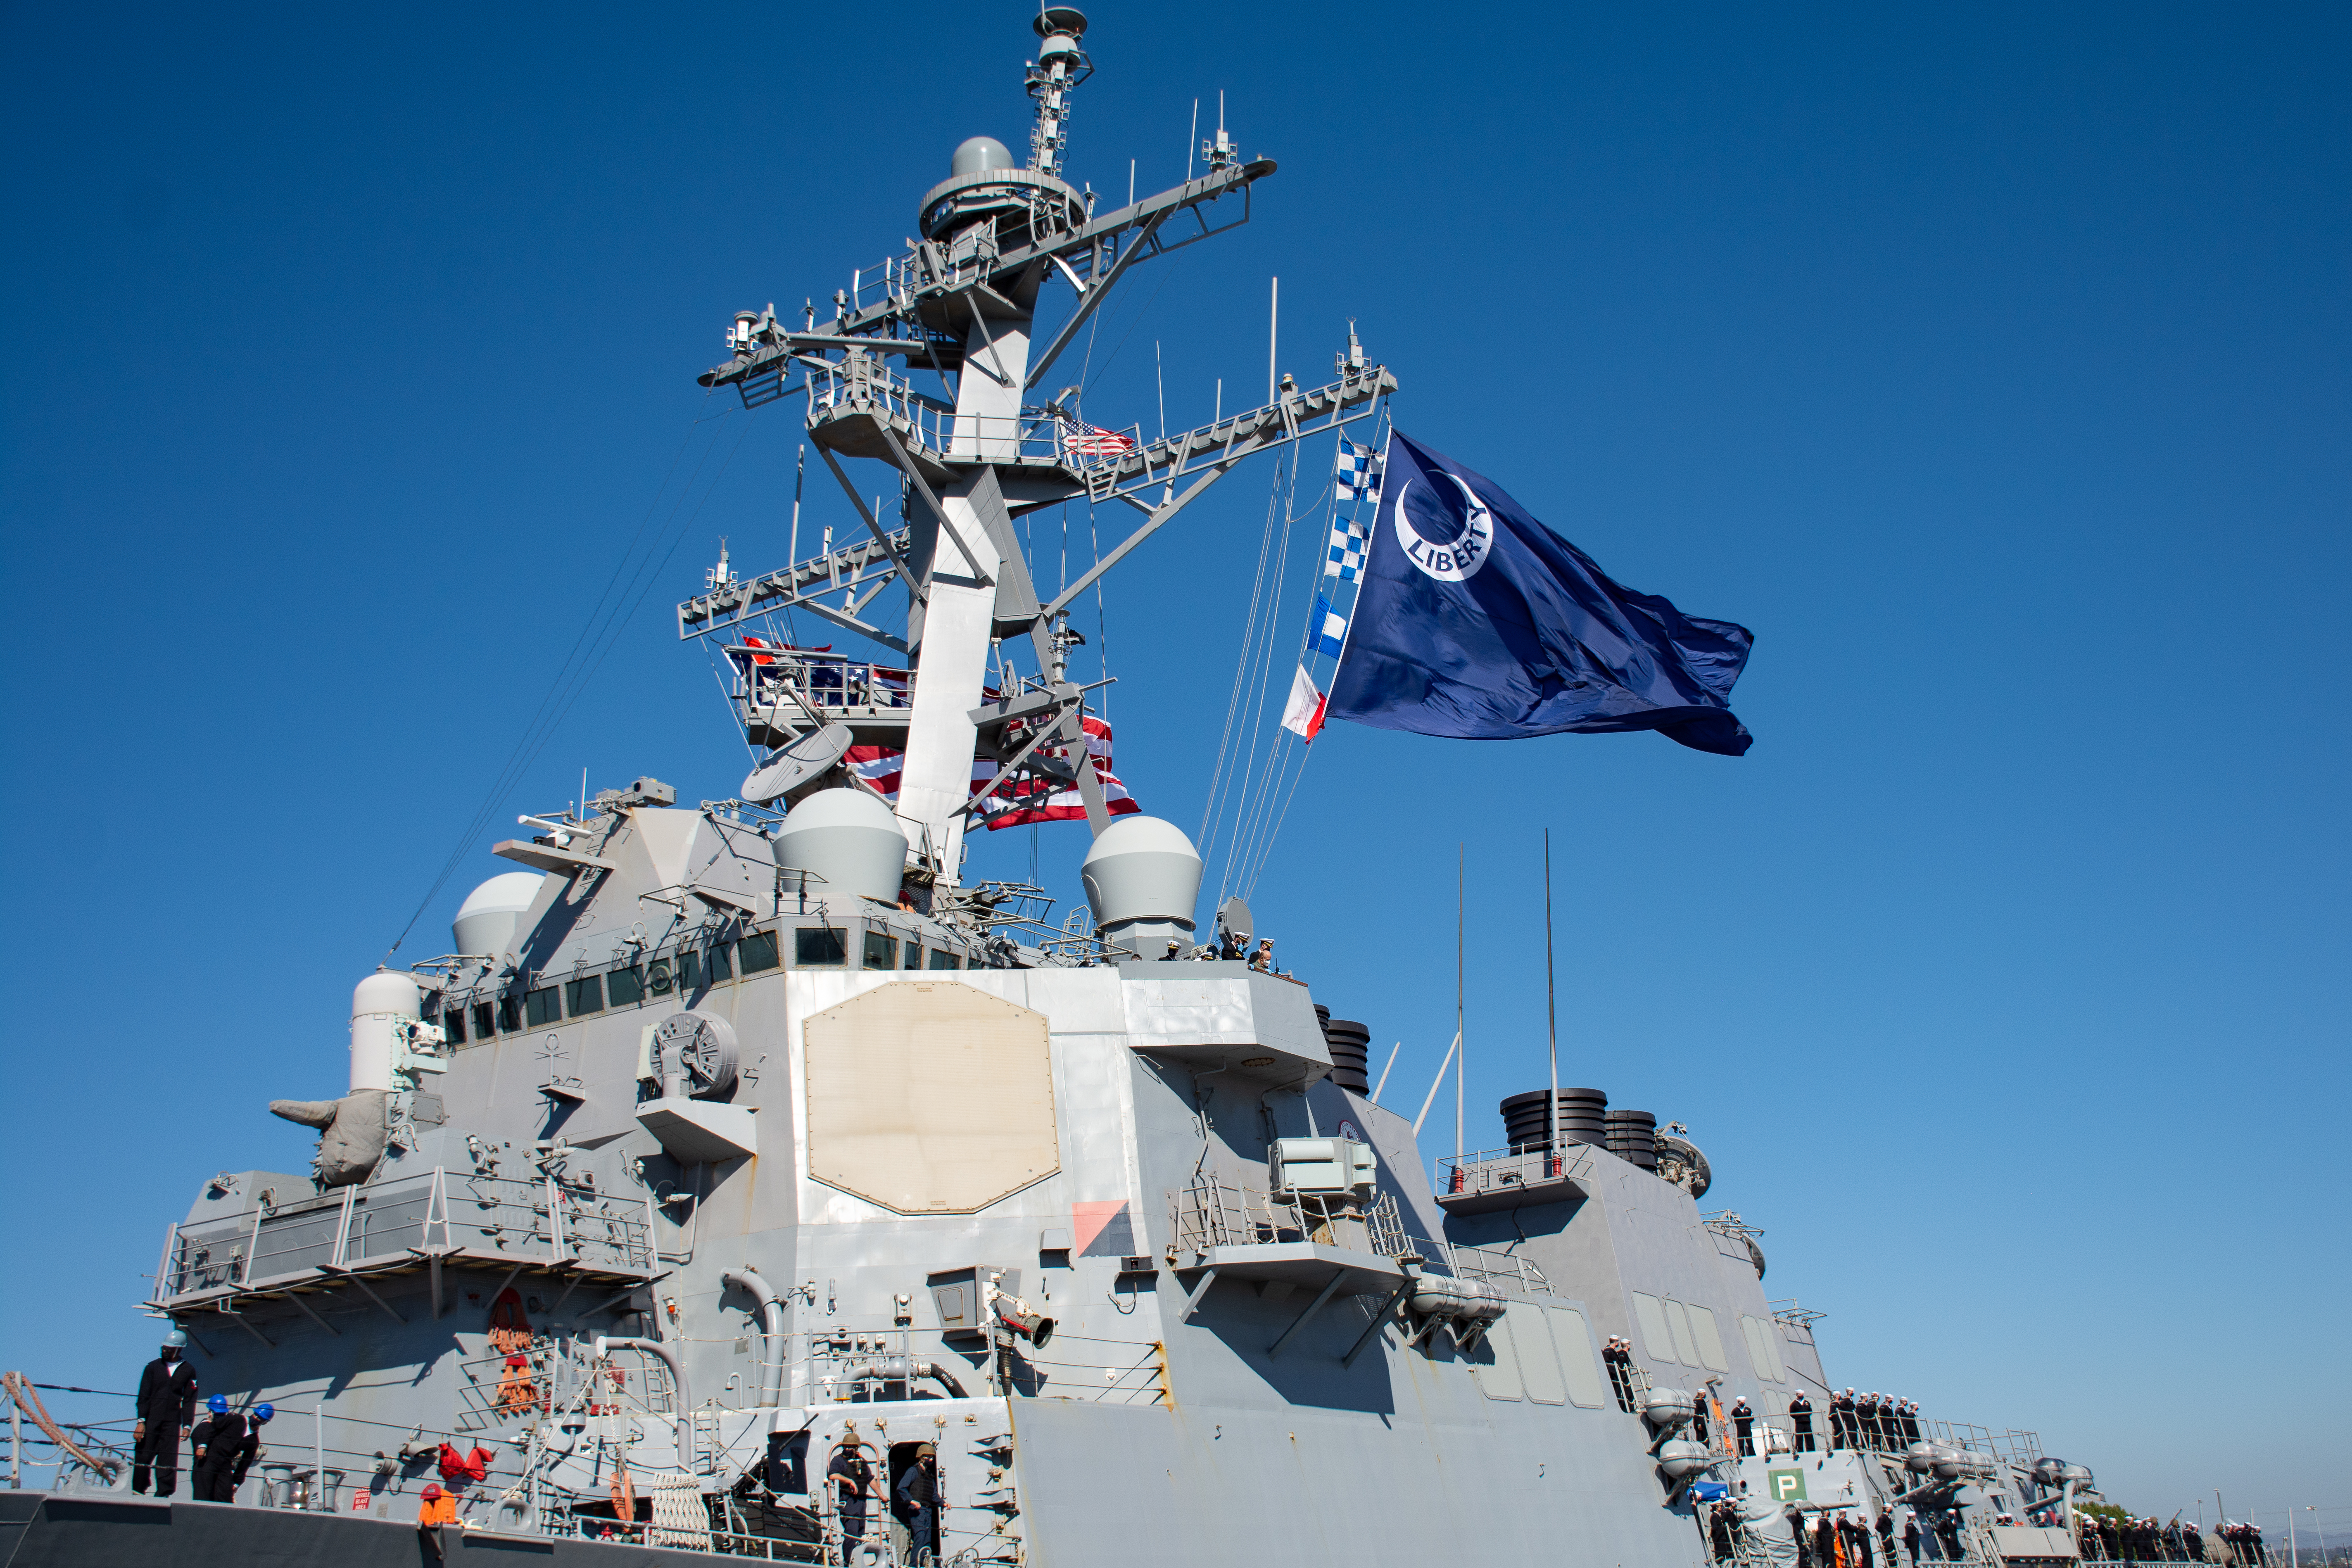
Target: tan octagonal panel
x,y
929,1097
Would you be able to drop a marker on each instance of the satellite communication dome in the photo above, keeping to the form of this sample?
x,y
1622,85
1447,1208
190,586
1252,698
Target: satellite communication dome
x,y
978,155
850,846
1142,877
492,914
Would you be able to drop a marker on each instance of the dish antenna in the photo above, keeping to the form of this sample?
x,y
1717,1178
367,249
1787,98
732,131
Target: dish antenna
x,y
1234,920
793,765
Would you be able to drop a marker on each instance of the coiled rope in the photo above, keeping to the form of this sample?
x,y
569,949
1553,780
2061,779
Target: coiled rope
x,y
21,1391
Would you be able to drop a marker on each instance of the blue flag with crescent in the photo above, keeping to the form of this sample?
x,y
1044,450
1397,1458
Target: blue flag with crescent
x,y
1476,622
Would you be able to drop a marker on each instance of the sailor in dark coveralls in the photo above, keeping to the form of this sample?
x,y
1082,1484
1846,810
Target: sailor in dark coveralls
x,y
851,1475
1800,1411
1842,1420
918,1502
1743,1421
213,1442
166,1408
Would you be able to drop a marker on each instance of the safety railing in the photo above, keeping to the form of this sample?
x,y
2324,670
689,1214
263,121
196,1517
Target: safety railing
x,y
1505,1269
1212,1214
897,280
1499,1170
768,678
530,1219
860,384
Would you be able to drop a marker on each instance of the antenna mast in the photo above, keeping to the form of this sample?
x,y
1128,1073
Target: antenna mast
x,y
964,300
1551,1022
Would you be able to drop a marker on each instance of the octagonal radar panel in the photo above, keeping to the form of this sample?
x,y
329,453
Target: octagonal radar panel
x,y
929,1097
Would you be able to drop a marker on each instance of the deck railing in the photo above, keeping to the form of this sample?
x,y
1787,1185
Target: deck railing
x,y
530,1219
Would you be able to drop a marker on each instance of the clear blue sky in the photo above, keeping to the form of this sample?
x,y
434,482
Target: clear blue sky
x,y
1990,364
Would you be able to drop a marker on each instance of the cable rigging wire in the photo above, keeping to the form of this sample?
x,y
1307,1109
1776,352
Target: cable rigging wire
x,y
633,576
1253,841
1223,776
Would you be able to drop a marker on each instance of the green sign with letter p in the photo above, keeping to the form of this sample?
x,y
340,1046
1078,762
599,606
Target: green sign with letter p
x,y
1785,1486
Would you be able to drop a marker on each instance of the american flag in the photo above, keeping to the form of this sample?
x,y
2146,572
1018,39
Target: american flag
x,y
1080,439
1027,799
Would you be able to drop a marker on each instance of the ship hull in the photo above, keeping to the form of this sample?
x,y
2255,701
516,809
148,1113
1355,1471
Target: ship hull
x,y
80,1529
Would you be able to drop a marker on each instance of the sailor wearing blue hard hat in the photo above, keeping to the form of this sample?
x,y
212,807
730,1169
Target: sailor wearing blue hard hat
x,y
227,1445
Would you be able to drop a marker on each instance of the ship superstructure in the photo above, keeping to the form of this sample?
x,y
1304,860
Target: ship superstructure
x,y
731,1138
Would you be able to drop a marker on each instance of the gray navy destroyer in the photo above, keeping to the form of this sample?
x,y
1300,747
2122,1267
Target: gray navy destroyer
x,y
740,1143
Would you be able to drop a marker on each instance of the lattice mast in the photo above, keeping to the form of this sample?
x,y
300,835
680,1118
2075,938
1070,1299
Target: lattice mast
x,y
961,302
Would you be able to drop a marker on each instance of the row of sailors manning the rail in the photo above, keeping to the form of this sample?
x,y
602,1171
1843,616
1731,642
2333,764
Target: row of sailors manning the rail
x,y
1870,1421
1844,1540
2163,1541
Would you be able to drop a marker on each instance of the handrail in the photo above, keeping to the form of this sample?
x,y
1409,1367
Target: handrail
x,y
392,1221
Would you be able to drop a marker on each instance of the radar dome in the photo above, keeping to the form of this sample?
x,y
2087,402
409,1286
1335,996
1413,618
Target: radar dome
x,y
1142,877
381,1005
978,155
491,916
850,846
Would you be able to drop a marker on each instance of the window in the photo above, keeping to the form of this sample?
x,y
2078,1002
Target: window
x,y
1763,1348
542,1006
701,967
1499,1377
816,947
485,1020
755,953
914,954
585,995
510,1016
623,987
1651,1314
1573,1340
1537,1360
943,958
1678,1323
1710,1343
881,949
660,977
453,1023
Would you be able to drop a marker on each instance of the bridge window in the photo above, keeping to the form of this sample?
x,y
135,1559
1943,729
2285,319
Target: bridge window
x,y
755,953
820,947
585,995
943,958
626,986
544,1005
881,951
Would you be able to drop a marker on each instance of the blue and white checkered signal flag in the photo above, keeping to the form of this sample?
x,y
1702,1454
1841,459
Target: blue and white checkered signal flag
x,y
1358,473
1349,541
